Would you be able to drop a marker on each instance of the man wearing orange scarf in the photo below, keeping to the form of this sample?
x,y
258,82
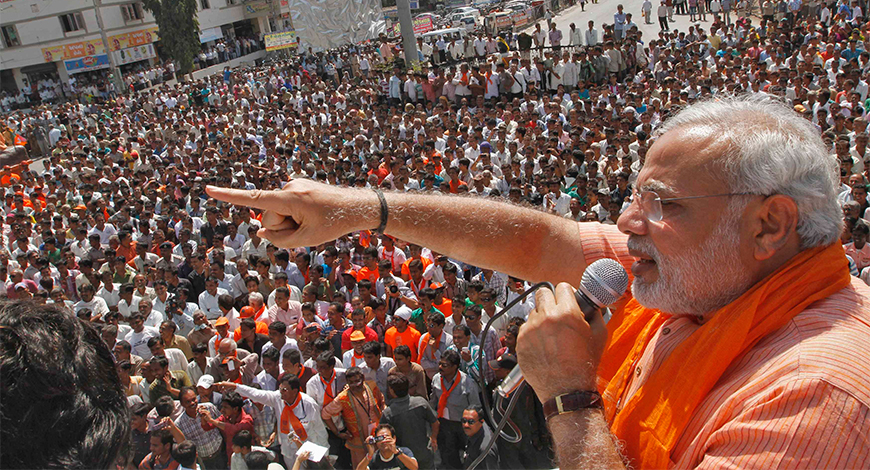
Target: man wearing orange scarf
x,y
743,342
360,406
298,414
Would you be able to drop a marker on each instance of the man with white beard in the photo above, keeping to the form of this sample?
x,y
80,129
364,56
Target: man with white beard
x,y
743,342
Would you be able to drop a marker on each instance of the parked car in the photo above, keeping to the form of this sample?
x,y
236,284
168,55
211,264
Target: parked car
x,y
468,22
468,11
447,33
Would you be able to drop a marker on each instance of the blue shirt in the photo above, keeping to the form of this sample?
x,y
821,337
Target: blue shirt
x,y
619,21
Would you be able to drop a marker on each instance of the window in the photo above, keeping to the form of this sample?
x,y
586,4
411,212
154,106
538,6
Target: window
x,y
132,12
204,4
72,22
10,36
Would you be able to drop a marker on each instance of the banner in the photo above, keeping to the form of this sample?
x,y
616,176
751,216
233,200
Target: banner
x,y
71,51
134,54
421,25
211,34
283,40
134,38
86,64
94,47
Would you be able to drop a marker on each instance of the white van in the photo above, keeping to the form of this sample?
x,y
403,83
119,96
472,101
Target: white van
x,y
432,36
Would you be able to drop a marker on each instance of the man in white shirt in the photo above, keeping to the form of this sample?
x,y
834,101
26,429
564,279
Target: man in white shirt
x,y
89,301
208,299
129,302
152,317
138,338
279,342
304,407
575,40
591,35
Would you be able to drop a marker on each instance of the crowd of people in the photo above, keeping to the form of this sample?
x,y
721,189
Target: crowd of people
x,y
367,345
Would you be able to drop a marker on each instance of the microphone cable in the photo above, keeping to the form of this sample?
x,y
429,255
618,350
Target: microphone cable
x,y
489,417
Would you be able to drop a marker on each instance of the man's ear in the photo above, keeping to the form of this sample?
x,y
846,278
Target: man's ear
x,y
775,225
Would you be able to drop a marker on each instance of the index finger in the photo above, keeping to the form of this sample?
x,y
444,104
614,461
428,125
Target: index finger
x,y
257,198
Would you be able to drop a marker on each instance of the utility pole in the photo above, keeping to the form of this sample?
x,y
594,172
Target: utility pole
x,y
116,74
406,27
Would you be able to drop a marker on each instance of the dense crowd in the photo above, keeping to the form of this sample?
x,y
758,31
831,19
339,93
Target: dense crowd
x,y
244,349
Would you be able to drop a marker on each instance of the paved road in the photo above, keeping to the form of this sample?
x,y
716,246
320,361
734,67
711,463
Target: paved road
x,y
602,13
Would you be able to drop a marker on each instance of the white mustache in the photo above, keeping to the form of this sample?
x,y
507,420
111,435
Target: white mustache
x,y
643,245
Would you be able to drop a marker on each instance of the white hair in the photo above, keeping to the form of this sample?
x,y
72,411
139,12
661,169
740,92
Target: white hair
x,y
773,150
255,296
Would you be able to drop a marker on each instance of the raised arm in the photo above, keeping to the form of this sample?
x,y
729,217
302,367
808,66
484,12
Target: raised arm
x,y
518,241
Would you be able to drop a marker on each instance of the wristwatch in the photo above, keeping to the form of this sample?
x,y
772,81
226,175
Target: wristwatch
x,y
571,402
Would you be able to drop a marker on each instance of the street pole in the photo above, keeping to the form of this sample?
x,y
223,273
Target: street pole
x,y
406,27
116,74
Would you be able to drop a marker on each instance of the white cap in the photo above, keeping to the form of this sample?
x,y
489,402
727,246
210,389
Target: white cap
x,y
206,381
404,312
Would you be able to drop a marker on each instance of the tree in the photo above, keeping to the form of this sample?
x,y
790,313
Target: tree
x,y
179,30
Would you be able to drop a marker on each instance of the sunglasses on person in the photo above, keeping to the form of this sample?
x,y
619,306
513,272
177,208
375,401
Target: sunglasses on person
x,y
468,421
471,317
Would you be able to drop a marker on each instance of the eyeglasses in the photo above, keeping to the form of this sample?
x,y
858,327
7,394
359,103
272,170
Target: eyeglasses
x,y
470,317
651,203
486,299
468,421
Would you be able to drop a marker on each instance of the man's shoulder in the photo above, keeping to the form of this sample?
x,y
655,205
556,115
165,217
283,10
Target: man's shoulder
x,y
826,342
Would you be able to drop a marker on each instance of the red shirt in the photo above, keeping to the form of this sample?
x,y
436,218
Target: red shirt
x,y
231,429
345,337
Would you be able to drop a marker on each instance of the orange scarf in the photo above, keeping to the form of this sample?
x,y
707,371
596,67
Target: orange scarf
x,y
288,419
425,342
355,358
654,418
260,312
445,394
327,392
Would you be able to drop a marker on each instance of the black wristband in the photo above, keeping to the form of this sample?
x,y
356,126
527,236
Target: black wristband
x,y
385,212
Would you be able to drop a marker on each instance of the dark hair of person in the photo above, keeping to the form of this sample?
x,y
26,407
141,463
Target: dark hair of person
x,y
185,453
234,400
388,427
372,347
399,384
451,357
243,439
61,404
402,350
257,460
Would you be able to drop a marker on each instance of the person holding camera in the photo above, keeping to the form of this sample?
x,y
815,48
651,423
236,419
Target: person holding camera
x,y
382,452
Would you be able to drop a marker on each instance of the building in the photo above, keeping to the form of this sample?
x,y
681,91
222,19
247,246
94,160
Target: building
x,y
56,40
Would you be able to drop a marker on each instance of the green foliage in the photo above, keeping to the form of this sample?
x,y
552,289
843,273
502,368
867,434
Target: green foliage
x,y
179,30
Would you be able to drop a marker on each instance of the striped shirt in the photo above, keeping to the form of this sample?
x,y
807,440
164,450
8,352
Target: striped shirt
x,y
207,442
800,398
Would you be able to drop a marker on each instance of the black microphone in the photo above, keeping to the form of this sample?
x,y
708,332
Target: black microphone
x,y
603,282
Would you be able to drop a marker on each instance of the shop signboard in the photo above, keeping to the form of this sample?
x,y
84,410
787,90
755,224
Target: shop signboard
x,y
211,34
283,40
253,9
94,47
87,63
134,38
421,25
134,54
